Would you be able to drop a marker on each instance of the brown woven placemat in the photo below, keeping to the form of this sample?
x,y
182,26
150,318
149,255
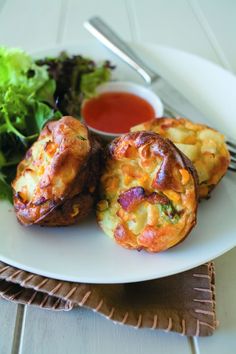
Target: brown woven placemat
x,y
183,303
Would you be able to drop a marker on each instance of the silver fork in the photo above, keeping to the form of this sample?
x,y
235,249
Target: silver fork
x,y
232,150
100,30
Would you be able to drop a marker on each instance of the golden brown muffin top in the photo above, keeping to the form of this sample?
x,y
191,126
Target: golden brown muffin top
x,y
149,192
46,174
204,146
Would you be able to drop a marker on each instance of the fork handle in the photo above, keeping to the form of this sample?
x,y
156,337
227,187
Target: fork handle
x,y
99,29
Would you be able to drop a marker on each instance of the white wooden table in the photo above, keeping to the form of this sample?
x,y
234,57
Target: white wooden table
x,y
204,27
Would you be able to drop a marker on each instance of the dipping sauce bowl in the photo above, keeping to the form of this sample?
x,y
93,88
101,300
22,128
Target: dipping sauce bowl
x,y
117,106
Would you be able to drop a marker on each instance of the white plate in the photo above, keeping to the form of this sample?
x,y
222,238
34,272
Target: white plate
x,y
83,253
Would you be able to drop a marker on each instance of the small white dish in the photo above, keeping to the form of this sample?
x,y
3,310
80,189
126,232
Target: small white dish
x,y
135,89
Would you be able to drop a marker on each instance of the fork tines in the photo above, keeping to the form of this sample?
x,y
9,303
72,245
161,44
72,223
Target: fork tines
x,y
232,150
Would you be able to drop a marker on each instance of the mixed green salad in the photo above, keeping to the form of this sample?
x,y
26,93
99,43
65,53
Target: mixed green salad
x,y
34,92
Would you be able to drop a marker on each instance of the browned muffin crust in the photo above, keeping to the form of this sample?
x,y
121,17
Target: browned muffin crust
x,y
149,193
204,146
56,183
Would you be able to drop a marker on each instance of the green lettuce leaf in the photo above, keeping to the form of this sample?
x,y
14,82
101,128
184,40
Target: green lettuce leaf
x,y
89,82
46,92
76,78
26,105
43,114
19,69
5,189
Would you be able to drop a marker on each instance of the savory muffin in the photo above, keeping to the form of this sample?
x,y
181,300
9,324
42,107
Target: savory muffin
x,y
148,193
204,146
57,180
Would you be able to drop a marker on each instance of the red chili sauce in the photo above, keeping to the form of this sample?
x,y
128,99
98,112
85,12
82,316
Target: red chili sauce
x,y
116,112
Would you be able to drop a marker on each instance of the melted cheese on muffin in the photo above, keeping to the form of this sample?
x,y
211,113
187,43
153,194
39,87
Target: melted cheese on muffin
x,y
149,194
54,170
32,169
204,146
43,166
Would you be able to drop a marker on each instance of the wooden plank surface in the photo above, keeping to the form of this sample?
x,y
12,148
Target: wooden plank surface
x,y
170,23
219,21
114,12
8,319
224,339
83,331
30,25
